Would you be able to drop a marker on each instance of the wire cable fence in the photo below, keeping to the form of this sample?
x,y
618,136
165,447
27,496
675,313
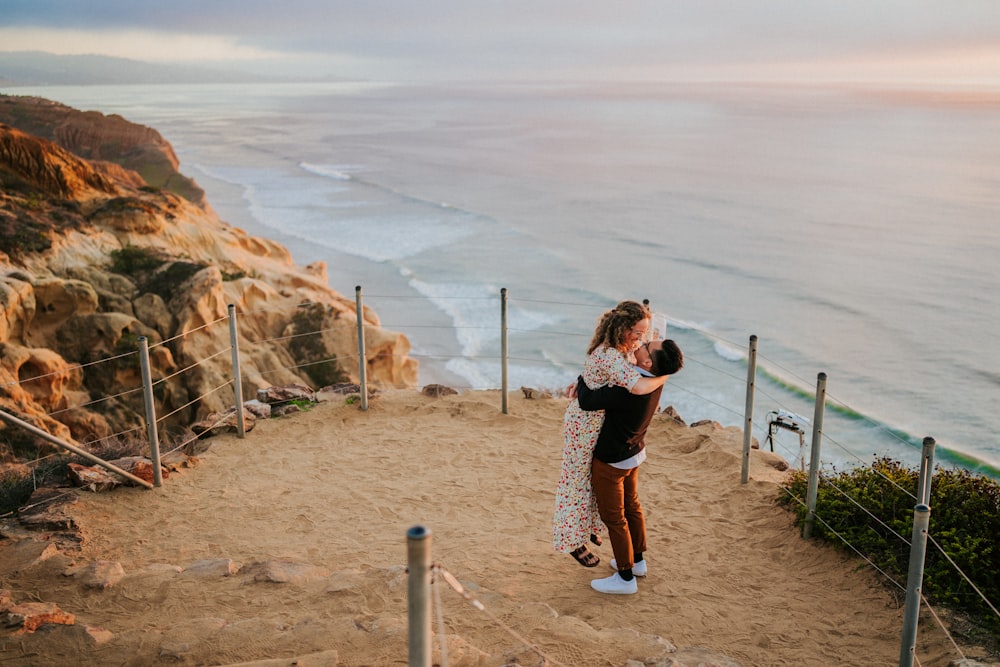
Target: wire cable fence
x,y
462,348
848,454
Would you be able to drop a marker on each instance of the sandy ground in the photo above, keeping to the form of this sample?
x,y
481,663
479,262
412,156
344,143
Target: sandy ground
x,y
289,547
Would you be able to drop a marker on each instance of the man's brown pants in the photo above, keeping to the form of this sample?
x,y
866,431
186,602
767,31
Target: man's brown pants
x,y
617,493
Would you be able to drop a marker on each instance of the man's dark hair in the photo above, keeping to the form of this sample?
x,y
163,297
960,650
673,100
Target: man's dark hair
x,y
668,359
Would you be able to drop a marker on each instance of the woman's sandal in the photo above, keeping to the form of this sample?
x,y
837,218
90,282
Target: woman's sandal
x,y
584,557
596,539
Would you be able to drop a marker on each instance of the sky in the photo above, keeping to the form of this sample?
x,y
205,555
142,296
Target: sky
x,y
941,41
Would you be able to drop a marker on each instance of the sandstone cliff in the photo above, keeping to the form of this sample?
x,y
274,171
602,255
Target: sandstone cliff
x,y
111,140
93,256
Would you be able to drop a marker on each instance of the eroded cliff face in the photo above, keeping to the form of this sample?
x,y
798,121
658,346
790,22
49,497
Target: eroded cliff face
x,y
92,258
106,141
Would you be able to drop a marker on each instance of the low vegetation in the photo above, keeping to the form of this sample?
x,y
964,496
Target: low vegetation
x,y
133,261
309,350
152,270
29,219
18,482
871,509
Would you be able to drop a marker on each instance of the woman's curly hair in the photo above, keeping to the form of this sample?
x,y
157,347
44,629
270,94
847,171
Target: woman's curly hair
x,y
612,329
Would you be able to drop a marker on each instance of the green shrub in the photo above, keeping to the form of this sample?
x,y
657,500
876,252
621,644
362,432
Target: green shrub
x,y
35,201
17,484
309,351
872,509
132,260
15,489
116,447
23,236
165,283
152,270
17,444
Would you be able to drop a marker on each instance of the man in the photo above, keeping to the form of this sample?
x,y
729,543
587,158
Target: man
x,y
620,449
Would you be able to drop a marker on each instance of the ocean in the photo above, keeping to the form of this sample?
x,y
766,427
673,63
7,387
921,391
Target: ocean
x,y
854,231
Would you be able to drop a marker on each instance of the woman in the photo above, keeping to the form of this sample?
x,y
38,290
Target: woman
x,y
610,360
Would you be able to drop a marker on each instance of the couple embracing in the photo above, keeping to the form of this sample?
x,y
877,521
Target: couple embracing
x,y
604,431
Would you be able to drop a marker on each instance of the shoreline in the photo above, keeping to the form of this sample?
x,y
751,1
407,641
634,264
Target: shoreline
x,y
395,289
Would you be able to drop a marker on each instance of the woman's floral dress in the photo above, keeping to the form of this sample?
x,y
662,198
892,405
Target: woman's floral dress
x,y
576,515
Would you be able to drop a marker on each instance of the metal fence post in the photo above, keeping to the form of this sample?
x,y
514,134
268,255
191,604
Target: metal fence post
x,y
748,410
503,349
817,436
234,345
926,472
147,397
418,560
362,363
914,583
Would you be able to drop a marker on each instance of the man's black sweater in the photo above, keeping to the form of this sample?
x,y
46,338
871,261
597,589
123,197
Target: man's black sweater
x,y
626,418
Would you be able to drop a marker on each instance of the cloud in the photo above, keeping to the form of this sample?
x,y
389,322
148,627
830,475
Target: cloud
x,y
510,39
136,44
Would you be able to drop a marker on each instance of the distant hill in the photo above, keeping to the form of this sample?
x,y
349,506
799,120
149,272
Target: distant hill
x,y
37,68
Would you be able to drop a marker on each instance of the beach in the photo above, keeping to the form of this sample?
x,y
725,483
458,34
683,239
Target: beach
x,y
288,547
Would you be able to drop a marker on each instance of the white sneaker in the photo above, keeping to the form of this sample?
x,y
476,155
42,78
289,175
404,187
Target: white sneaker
x,y
638,569
615,585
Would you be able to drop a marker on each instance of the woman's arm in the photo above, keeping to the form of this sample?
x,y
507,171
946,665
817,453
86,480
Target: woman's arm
x,y
615,366
647,385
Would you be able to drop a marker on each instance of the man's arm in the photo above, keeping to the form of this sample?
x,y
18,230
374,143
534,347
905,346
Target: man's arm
x,y
607,397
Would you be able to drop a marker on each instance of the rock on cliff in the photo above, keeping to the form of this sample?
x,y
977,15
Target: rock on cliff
x,y
93,256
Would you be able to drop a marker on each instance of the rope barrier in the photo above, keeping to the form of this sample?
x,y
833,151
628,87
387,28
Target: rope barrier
x,y
864,509
847,543
887,576
189,332
940,623
964,576
97,400
450,579
67,370
445,576
193,401
39,503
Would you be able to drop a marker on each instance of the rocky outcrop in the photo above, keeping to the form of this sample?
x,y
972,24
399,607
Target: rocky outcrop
x,y
33,162
90,262
122,148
